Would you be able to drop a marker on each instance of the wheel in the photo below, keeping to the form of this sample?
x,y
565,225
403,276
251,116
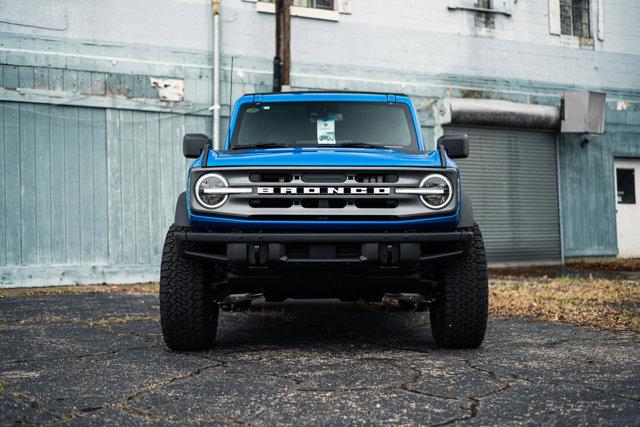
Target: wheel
x,y
188,312
459,313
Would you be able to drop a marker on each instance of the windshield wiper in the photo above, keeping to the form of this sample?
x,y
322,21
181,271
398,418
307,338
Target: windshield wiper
x,y
361,145
260,145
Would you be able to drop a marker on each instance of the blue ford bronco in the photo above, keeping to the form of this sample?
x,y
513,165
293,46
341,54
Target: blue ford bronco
x,y
324,195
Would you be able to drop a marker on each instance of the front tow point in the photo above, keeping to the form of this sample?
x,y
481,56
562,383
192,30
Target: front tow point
x,y
257,254
389,253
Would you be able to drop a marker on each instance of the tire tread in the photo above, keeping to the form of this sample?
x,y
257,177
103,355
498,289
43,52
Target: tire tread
x,y
188,312
459,314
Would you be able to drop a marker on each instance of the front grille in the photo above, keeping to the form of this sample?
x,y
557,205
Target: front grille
x,y
324,217
380,178
376,203
323,178
325,193
324,203
269,177
270,203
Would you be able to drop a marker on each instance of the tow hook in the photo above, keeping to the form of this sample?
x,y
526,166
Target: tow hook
x,y
389,254
257,254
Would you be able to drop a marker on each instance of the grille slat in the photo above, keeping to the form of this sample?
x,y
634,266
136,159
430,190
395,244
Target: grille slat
x,y
368,178
324,178
324,203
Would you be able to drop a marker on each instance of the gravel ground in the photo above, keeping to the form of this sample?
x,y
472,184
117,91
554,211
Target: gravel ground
x,y
98,358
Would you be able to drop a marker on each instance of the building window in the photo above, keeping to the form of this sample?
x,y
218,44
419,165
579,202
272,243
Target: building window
x,y
312,4
483,19
626,186
315,4
328,10
574,18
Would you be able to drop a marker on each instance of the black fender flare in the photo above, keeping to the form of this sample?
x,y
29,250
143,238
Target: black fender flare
x,y
182,217
466,212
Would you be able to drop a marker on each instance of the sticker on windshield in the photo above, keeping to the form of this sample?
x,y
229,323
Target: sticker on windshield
x,y
326,131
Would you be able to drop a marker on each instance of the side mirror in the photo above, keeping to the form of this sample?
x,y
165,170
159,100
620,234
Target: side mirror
x,y
192,144
455,144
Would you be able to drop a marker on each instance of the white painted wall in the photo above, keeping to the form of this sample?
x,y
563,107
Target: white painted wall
x,y
426,38
420,37
177,24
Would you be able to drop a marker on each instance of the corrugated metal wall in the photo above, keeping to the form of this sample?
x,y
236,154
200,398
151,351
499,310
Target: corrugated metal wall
x,y
511,178
86,193
587,184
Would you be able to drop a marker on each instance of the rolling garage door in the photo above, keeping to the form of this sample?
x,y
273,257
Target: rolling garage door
x,y
511,177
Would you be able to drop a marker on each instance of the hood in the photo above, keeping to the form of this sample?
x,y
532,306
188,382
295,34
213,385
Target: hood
x,y
322,156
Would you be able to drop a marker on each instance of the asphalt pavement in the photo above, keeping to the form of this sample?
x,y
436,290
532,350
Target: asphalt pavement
x,y
99,359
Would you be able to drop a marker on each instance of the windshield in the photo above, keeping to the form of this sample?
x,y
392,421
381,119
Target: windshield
x,y
325,124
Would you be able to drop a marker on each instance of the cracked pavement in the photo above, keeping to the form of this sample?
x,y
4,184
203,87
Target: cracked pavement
x,y
99,359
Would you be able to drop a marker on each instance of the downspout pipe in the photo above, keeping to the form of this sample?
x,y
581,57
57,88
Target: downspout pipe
x,y
216,75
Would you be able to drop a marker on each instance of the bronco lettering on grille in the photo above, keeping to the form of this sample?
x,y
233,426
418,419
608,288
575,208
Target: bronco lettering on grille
x,y
324,190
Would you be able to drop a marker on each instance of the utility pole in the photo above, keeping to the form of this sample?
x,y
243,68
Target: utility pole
x,y
216,75
282,60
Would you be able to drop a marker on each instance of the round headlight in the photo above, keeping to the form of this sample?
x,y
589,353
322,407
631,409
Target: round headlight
x,y
207,190
441,194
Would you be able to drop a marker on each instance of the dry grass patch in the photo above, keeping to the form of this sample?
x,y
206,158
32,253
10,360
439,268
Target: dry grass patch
x,y
603,304
105,323
78,289
621,264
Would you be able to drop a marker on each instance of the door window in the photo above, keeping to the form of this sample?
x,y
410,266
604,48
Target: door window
x,y
626,186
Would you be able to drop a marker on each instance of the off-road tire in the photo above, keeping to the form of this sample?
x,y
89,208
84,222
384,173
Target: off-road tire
x,y
188,312
459,313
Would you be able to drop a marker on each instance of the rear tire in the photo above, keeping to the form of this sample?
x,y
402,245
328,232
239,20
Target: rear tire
x,y
188,312
459,313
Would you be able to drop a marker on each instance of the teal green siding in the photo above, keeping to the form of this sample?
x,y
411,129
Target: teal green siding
x,y
87,193
587,184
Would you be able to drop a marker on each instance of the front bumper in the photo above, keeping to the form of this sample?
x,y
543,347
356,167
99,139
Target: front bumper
x,y
243,251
